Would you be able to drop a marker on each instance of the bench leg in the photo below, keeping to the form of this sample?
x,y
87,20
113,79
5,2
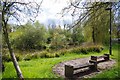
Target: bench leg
x,y
93,67
69,71
107,57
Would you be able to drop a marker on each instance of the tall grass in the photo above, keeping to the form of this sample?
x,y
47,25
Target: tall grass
x,y
52,54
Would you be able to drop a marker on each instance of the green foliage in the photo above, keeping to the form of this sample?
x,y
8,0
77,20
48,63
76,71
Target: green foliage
x,y
77,35
29,37
58,38
57,54
44,54
6,57
79,50
27,57
85,50
52,54
97,25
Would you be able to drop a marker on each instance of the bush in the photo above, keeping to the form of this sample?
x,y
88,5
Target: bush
x,y
62,52
57,54
27,57
35,56
50,55
76,50
18,57
84,50
43,54
46,54
6,58
30,38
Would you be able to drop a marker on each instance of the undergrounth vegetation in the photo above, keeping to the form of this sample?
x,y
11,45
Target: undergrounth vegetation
x,y
42,67
51,54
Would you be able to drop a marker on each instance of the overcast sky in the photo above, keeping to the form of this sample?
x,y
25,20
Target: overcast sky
x,y
50,10
49,13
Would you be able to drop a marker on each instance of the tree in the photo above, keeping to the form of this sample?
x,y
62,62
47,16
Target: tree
x,y
1,64
30,36
57,38
99,24
93,12
77,35
14,10
82,10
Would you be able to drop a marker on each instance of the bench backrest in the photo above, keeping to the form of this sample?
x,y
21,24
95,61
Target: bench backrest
x,y
105,56
94,58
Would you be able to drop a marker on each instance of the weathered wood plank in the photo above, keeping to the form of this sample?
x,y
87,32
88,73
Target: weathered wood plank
x,y
82,66
69,71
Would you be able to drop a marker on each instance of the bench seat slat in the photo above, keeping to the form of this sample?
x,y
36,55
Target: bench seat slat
x,y
82,66
98,57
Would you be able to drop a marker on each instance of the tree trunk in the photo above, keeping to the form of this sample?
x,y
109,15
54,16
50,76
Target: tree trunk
x,y
14,60
93,35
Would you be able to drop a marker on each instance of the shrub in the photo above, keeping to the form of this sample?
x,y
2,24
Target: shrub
x,y
84,50
27,57
6,58
46,54
62,52
35,55
18,57
30,38
57,54
50,54
76,50
43,54
90,49
98,48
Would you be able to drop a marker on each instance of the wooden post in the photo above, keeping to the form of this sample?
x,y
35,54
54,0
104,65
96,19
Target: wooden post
x,y
94,58
107,57
93,67
69,71
94,61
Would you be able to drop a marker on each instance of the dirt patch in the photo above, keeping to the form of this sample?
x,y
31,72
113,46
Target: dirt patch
x,y
84,73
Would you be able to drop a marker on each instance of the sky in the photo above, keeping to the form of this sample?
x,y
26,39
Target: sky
x,y
50,12
51,8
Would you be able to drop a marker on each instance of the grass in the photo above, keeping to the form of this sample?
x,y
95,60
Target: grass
x,y
39,68
42,67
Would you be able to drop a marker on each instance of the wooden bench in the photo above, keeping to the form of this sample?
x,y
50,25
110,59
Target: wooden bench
x,y
70,70
99,59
